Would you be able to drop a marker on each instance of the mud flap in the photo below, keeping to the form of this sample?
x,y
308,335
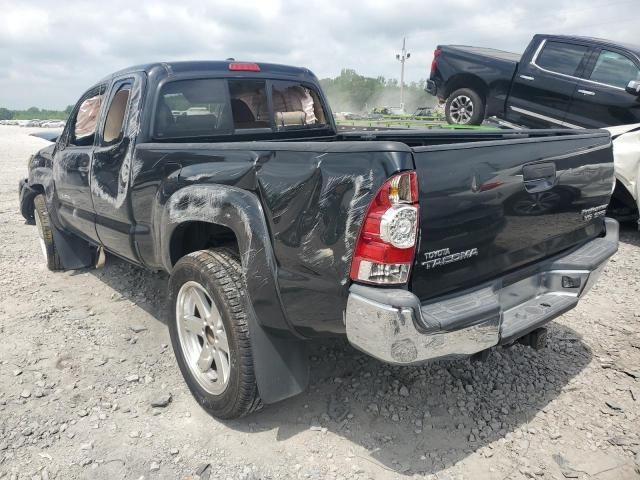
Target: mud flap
x,y
74,252
281,364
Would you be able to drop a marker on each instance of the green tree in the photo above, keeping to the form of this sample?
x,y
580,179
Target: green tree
x,y
6,114
356,93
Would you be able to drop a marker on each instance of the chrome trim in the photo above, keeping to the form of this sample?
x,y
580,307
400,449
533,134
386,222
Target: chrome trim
x,y
389,334
527,77
586,92
539,50
394,327
544,117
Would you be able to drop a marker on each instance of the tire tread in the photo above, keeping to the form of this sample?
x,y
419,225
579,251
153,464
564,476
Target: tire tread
x,y
224,268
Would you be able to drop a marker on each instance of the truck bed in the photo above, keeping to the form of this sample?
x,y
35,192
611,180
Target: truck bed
x,y
487,52
314,193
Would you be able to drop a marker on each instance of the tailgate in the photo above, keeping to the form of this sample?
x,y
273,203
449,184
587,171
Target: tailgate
x,y
490,207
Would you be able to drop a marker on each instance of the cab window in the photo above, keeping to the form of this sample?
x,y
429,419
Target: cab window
x,y
85,120
614,69
114,121
192,108
561,57
296,106
249,104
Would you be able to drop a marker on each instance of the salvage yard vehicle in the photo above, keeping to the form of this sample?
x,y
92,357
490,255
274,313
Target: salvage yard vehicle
x,y
277,230
625,202
559,81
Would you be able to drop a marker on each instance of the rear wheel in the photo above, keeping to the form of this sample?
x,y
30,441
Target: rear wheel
x,y
43,225
464,107
210,333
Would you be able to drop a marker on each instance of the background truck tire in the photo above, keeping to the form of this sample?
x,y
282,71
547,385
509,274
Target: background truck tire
x,y
217,274
41,215
464,107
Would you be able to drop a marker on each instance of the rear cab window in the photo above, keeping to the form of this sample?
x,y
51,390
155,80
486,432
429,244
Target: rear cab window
x,y
215,107
296,106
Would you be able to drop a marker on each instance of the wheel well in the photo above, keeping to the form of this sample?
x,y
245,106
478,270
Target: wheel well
x,y
193,236
465,80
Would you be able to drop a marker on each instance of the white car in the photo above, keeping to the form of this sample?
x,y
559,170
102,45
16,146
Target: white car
x,y
625,203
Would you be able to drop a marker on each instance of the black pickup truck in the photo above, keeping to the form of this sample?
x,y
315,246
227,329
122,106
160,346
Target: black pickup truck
x,y
560,81
277,230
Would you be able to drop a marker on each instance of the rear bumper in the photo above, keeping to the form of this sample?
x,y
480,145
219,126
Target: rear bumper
x,y
393,326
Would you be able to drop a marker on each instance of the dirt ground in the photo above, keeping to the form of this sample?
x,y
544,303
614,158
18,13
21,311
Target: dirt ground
x,y
85,355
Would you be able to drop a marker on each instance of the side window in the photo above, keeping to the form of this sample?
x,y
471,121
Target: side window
x,y
85,121
614,69
296,106
249,104
561,57
114,121
192,108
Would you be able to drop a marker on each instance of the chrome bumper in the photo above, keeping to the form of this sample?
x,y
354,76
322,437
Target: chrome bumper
x,y
392,325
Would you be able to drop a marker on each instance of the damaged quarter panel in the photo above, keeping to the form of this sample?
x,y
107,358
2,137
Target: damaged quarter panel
x,y
296,210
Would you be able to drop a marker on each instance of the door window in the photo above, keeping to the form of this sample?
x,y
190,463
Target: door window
x,y
561,57
114,122
614,69
83,126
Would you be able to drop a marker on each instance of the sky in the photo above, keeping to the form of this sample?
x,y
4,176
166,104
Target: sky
x,y
51,52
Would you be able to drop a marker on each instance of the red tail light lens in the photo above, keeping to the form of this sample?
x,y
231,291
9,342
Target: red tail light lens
x,y
434,62
386,245
244,67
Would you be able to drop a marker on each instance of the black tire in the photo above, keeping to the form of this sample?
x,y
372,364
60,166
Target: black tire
x,y
219,272
43,223
473,111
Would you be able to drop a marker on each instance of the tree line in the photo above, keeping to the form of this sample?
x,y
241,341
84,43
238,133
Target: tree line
x,y
35,112
351,92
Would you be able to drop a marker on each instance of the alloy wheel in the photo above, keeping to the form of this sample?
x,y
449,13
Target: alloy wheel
x,y
461,109
203,338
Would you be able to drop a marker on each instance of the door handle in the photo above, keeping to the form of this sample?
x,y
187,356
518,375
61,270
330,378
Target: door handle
x,y
587,92
527,77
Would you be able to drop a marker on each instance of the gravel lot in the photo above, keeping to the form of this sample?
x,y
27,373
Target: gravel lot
x,y
89,387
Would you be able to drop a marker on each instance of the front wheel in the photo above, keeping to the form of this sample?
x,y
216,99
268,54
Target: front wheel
x,y
464,107
210,333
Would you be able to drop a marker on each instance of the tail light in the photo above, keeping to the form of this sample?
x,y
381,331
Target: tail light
x,y
386,245
434,62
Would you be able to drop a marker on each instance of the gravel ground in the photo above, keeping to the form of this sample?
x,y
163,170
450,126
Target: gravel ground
x,y
89,388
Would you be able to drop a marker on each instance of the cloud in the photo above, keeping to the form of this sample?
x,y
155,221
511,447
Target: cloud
x,y
51,52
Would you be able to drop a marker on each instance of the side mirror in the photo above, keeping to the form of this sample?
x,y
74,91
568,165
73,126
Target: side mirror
x,y
633,87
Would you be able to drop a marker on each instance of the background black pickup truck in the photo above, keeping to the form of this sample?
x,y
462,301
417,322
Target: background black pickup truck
x,y
559,81
277,230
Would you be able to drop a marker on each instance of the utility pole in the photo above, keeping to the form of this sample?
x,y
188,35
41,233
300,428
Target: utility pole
x,y
402,57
